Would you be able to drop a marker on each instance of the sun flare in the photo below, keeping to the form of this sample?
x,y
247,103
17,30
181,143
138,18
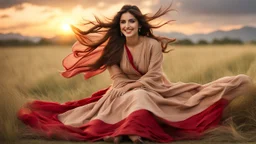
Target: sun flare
x,y
66,28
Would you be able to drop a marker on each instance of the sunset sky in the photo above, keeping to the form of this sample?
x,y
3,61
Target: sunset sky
x,y
48,18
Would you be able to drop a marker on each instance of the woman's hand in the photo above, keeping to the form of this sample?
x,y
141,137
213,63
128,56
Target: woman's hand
x,y
131,86
127,88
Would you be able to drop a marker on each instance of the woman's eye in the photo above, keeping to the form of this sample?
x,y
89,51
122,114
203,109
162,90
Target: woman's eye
x,y
122,22
132,21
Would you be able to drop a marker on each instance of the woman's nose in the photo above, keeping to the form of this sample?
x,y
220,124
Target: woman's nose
x,y
127,25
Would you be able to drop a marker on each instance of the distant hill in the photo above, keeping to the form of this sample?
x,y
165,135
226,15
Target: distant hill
x,y
15,39
245,34
17,36
62,39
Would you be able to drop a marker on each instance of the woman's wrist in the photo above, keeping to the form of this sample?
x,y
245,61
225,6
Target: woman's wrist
x,y
136,85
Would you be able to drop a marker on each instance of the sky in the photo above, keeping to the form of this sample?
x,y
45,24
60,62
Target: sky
x,y
48,18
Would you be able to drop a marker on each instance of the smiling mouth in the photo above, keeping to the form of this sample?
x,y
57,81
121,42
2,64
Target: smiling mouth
x,y
128,31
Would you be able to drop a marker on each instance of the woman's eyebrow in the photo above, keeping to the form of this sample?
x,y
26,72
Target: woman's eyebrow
x,y
128,19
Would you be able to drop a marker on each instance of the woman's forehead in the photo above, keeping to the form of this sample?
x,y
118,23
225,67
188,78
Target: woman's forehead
x,y
126,16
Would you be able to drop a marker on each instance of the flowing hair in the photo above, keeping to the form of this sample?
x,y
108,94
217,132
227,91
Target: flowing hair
x,y
112,37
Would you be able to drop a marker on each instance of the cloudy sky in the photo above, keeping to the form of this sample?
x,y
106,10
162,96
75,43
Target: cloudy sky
x,y
48,18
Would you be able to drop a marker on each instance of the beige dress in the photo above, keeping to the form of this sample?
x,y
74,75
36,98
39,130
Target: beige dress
x,y
171,101
160,110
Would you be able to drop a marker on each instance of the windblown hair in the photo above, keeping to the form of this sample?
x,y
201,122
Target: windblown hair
x,y
113,50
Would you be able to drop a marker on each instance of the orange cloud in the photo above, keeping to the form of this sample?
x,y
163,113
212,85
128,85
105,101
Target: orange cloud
x,y
188,29
4,16
48,21
230,27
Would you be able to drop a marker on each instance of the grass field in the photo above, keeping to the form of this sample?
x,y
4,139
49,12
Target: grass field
x,y
33,73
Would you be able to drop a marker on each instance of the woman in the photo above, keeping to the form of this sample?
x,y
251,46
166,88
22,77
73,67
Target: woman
x,y
141,102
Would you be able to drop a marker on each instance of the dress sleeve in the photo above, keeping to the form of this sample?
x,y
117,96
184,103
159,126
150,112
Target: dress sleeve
x,y
153,78
119,81
119,78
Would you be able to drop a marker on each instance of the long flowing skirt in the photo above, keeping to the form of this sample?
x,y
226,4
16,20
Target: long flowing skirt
x,y
134,113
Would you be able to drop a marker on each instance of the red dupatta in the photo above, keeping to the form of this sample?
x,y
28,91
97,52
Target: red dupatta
x,y
130,58
80,58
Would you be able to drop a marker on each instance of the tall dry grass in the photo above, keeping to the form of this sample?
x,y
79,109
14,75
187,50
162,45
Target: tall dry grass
x,y
33,73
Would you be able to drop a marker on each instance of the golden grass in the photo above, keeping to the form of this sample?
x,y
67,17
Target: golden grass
x,y
33,73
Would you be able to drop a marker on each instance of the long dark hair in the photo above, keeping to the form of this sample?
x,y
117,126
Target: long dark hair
x,y
113,50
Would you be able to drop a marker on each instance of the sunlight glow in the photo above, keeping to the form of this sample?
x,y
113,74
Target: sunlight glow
x,y
66,28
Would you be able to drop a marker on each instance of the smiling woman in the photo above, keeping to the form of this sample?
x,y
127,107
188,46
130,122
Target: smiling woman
x,y
141,103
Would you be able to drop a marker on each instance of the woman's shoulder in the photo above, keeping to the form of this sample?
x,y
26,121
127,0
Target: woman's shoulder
x,y
151,41
153,45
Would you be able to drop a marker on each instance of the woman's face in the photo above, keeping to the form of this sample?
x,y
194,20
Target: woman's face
x,y
129,25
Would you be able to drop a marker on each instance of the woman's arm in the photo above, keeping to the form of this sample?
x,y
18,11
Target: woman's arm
x,y
119,78
115,72
153,78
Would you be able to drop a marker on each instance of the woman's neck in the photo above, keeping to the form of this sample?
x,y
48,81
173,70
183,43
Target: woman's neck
x,y
133,41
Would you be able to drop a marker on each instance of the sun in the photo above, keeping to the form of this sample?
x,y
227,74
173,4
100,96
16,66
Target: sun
x,y
66,28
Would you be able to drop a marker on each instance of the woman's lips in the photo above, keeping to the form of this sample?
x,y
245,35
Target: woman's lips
x,y
128,31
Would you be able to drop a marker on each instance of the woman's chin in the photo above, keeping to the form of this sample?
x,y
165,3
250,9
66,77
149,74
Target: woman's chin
x,y
130,35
